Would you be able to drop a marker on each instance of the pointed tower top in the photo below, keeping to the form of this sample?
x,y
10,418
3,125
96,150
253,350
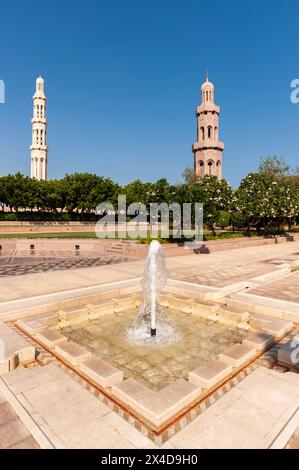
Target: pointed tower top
x,y
207,74
39,86
207,84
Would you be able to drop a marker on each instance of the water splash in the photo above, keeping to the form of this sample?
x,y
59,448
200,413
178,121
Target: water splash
x,y
152,325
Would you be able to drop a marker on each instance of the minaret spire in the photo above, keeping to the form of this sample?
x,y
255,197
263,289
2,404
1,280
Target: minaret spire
x,y
208,149
39,149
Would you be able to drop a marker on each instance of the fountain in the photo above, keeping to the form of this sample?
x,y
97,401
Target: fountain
x,y
154,279
151,315
161,342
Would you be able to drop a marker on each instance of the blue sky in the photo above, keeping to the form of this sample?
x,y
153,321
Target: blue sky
x,y
123,80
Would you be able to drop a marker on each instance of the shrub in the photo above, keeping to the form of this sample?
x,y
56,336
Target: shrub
x,y
224,219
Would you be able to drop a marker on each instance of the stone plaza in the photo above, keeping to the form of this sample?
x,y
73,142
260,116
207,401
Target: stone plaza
x,y
62,388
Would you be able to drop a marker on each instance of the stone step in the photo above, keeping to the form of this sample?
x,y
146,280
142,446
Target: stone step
x,y
278,328
14,349
260,320
99,309
186,304
260,341
233,315
187,293
50,338
205,309
156,407
125,302
101,373
272,307
115,248
238,304
210,374
30,326
179,302
73,314
273,326
238,355
72,352
34,323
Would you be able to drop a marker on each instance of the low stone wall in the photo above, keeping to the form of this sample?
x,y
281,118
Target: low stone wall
x,y
232,243
36,227
128,248
72,227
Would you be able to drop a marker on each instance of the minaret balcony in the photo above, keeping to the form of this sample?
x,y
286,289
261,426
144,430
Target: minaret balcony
x,y
207,144
207,107
36,120
39,147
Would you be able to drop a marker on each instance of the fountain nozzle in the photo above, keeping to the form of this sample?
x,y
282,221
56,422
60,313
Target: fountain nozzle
x,y
153,331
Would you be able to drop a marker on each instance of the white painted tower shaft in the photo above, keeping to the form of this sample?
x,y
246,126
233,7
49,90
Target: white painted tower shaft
x,y
38,148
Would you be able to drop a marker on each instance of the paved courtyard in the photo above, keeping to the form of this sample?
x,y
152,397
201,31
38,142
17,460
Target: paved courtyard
x,y
214,269
13,433
282,289
253,414
17,264
45,406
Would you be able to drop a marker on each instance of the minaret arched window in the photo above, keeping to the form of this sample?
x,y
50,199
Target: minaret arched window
x,y
216,133
202,133
210,164
201,168
218,168
209,132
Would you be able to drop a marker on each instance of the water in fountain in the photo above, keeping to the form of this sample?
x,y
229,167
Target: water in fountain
x,y
152,325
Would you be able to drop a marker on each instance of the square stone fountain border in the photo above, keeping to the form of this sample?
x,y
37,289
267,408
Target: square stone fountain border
x,y
157,414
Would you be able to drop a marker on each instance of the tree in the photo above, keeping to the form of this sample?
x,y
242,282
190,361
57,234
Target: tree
x,y
277,169
3,192
215,195
15,191
274,167
138,192
264,201
84,191
189,175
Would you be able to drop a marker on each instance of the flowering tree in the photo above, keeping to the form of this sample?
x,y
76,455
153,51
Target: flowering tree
x,y
264,201
216,195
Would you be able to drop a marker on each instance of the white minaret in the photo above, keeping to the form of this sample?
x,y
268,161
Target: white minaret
x,y
39,149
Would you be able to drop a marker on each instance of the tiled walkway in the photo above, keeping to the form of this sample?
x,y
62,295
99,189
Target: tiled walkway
x,y
13,433
17,266
213,269
294,441
282,289
251,415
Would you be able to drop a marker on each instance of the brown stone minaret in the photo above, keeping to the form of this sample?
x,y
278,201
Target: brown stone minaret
x,y
208,149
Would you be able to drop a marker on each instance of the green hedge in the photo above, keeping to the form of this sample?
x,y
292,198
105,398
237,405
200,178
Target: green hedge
x,y
46,217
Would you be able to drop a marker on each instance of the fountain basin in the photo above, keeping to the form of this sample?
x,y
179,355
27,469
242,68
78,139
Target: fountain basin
x,y
196,341
153,384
